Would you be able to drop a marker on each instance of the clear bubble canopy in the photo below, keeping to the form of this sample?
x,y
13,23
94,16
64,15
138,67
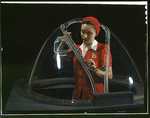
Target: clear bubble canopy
x,y
52,78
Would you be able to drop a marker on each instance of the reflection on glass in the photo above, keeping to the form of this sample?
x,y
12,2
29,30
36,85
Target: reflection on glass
x,y
130,80
58,61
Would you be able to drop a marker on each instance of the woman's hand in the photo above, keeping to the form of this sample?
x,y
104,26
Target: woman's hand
x,y
99,72
63,43
69,33
91,63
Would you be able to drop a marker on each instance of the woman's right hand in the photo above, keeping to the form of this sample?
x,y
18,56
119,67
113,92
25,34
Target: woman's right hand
x,y
69,33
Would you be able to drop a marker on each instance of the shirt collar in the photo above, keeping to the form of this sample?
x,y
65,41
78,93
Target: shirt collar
x,y
92,46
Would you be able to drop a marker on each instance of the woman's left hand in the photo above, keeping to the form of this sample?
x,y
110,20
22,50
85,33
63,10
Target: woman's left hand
x,y
91,63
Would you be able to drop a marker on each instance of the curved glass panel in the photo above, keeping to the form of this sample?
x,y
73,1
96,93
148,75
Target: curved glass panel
x,y
52,79
124,69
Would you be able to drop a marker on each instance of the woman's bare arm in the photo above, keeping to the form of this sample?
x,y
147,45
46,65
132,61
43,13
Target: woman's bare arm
x,y
98,72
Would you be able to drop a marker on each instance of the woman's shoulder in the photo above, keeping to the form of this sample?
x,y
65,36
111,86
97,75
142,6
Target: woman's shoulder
x,y
100,46
78,46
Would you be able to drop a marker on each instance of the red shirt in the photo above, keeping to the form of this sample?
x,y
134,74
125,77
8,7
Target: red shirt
x,y
83,89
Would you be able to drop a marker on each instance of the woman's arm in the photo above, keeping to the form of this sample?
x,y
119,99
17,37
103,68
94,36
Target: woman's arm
x,y
61,45
99,72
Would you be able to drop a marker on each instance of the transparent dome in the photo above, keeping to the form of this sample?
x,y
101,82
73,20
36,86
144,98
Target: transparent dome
x,y
52,79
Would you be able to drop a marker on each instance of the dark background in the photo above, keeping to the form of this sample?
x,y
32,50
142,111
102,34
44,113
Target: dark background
x,y
26,27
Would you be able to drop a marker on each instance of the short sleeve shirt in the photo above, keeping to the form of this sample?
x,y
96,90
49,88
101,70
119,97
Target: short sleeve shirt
x,y
96,52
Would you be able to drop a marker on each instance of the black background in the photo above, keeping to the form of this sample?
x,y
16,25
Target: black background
x,y
24,28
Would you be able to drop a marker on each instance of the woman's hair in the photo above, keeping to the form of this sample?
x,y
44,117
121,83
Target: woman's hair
x,y
88,22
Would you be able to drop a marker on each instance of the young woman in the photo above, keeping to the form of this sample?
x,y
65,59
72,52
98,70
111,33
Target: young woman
x,y
93,53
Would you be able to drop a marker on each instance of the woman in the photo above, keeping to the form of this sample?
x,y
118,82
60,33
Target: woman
x,y
93,53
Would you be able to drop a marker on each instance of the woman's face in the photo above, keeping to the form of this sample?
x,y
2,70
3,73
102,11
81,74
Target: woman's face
x,y
88,33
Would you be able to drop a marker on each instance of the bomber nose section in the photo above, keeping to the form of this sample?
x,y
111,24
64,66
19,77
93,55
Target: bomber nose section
x,y
51,82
